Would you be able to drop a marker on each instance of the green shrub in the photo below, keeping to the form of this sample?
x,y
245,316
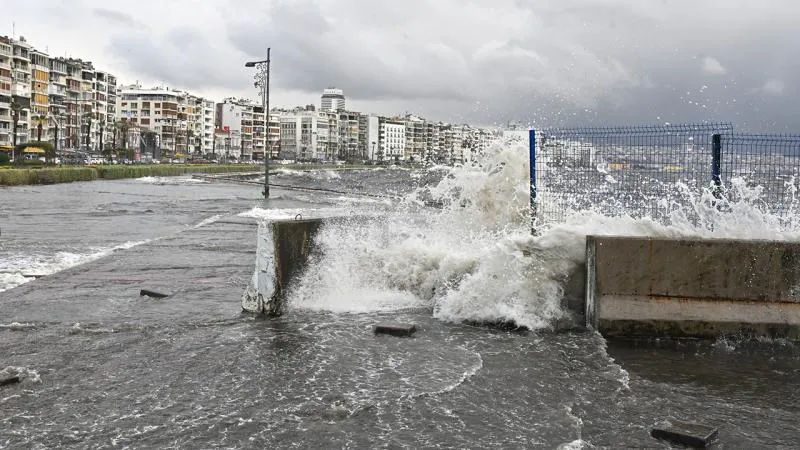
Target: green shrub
x,y
25,175
14,177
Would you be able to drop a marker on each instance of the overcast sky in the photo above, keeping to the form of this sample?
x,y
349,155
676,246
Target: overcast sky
x,y
540,62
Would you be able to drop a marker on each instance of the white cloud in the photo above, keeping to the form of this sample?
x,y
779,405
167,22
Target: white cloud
x,y
712,66
773,86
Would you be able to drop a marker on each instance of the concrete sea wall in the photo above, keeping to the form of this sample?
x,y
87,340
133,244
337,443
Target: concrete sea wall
x,y
692,288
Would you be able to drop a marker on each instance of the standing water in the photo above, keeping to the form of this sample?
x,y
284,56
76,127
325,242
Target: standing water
x,y
102,367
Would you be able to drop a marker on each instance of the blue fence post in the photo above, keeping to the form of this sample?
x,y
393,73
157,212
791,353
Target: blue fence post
x,y
716,163
532,161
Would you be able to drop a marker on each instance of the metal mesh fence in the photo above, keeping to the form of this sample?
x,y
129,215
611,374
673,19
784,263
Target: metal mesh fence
x,y
768,163
631,170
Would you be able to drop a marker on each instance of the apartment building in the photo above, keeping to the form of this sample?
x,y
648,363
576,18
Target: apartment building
x,y
369,136
6,83
57,93
244,117
392,140
179,123
348,135
227,145
305,135
21,88
274,136
416,146
332,100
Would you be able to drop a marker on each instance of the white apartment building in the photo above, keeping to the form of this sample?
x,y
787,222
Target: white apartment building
x,y
332,100
392,140
371,136
228,145
305,136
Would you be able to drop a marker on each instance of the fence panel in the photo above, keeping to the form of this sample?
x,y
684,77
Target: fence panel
x,y
770,163
631,170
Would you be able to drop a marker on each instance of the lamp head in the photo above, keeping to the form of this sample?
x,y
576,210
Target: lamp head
x,y
250,64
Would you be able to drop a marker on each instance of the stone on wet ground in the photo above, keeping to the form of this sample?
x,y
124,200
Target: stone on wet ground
x,y
395,329
153,294
689,434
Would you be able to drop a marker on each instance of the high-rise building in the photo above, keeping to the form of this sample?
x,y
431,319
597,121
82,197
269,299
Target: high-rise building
x,y
40,96
82,105
6,82
332,100
58,101
21,88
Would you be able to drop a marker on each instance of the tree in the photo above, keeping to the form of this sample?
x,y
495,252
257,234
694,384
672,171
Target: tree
x,y
189,136
15,108
123,126
40,119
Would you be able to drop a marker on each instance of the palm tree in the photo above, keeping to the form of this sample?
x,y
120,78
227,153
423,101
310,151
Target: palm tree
x,y
15,108
123,126
40,119
189,136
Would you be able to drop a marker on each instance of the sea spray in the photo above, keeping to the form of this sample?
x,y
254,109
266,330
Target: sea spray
x,y
473,257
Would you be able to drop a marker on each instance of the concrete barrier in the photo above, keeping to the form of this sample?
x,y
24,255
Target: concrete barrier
x,y
282,251
638,286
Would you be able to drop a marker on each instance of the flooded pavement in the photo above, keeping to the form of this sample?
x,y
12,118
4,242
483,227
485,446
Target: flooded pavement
x,y
104,367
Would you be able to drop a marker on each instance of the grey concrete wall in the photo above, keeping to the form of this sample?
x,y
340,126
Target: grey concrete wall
x,y
283,248
685,287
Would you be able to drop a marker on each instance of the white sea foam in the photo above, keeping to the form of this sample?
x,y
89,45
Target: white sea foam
x,y
14,269
208,221
291,213
313,174
25,374
172,181
475,259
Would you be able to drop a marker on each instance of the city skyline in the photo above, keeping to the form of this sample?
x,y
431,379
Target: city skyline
x,y
71,104
123,83
539,63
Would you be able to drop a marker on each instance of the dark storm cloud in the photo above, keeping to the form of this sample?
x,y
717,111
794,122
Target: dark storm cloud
x,y
543,61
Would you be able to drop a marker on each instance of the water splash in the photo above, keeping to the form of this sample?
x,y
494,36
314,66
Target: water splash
x,y
474,257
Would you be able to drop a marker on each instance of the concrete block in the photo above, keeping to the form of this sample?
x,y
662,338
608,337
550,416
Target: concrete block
x,y
692,287
395,329
153,294
8,379
685,433
282,252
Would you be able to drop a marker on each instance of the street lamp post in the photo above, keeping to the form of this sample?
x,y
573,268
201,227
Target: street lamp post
x,y
262,82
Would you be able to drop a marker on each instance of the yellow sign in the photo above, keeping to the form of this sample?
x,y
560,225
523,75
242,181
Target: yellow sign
x,y
33,150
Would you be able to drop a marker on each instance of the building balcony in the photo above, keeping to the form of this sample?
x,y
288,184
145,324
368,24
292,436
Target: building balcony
x,y
21,91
